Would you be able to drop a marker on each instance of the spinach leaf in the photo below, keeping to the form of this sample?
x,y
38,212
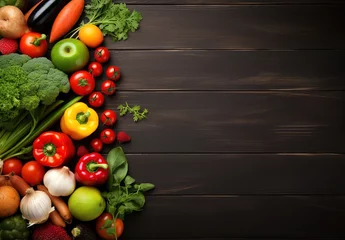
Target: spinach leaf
x,y
118,167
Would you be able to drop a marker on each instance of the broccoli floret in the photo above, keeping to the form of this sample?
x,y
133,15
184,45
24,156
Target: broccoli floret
x,y
14,59
41,64
11,79
26,83
51,83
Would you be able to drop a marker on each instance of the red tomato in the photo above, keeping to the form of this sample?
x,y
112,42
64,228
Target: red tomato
x,y
101,54
108,87
113,73
33,172
96,99
82,82
96,144
33,44
108,136
102,232
95,68
12,165
108,117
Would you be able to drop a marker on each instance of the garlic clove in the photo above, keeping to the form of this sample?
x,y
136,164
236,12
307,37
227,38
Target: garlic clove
x,y
60,181
36,206
31,222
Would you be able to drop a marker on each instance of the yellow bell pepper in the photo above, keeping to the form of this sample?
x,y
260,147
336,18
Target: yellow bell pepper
x,y
79,121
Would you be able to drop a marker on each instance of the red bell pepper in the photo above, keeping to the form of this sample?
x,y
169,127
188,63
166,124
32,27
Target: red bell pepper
x,y
91,170
53,149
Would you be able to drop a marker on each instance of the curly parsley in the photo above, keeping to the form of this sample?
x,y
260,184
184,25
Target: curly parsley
x,y
115,20
135,111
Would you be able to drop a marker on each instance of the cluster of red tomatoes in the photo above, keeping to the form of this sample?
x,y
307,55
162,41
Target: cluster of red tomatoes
x,y
83,83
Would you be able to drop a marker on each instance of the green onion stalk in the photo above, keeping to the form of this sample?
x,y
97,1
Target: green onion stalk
x,y
18,142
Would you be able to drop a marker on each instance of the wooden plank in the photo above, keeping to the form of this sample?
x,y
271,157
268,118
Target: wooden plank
x,y
237,27
230,70
231,2
240,174
201,122
238,216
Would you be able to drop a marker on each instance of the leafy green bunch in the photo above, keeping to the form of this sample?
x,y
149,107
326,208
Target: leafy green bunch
x,y
115,20
123,194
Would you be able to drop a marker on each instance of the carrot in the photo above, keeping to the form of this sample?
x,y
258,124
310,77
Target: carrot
x,y
27,14
59,204
56,219
19,184
66,19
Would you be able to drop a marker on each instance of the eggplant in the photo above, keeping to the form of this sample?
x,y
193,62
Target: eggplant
x,y
42,17
83,232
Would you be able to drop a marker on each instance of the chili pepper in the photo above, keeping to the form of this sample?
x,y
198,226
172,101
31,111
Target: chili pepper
x,y
79,121
91,170
53,149
123,137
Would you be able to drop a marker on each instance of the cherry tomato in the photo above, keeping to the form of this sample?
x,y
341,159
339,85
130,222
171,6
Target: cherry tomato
x,y
107,136
33,44
102,232
96,144
108,87
113,73
95,68
33,173
12,165
101,54
108,117
82,82
96,99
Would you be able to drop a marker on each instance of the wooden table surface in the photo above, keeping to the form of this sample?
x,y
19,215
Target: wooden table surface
x,y
245,137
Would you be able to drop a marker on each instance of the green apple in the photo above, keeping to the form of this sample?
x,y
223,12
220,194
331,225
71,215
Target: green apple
x,y
86,203
70,55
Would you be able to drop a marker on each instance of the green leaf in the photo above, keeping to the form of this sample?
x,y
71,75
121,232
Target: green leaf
x,y
111,209
107,224
146,187
136,202
129,180
118,166
111,231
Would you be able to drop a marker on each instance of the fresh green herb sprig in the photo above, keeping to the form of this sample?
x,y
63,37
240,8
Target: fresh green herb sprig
x,y
115,20
123,195
135,111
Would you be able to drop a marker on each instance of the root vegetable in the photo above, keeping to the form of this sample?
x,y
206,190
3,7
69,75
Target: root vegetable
x,y
12,22
9,201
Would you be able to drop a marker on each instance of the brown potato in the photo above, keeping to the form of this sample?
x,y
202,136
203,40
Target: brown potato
x,y
12,22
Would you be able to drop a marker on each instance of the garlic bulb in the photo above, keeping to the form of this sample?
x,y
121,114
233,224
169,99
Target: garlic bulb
x,y
59,181
36,206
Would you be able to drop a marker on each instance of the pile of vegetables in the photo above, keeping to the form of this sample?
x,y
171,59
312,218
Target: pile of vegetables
x,y
56,182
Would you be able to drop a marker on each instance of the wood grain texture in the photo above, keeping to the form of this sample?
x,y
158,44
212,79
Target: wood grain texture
x,y
230,70
237,27
231,2
190,122
238,216
175,174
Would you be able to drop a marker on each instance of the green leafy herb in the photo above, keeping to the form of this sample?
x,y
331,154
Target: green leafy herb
x,y
123,195
115,20
135,111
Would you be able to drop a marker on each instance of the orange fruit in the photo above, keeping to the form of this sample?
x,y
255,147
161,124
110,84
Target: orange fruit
x,y
91,35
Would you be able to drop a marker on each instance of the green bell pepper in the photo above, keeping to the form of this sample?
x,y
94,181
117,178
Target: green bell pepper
x,y
14,228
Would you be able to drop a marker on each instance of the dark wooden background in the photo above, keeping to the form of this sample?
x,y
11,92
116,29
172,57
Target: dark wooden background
x,y
245,138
